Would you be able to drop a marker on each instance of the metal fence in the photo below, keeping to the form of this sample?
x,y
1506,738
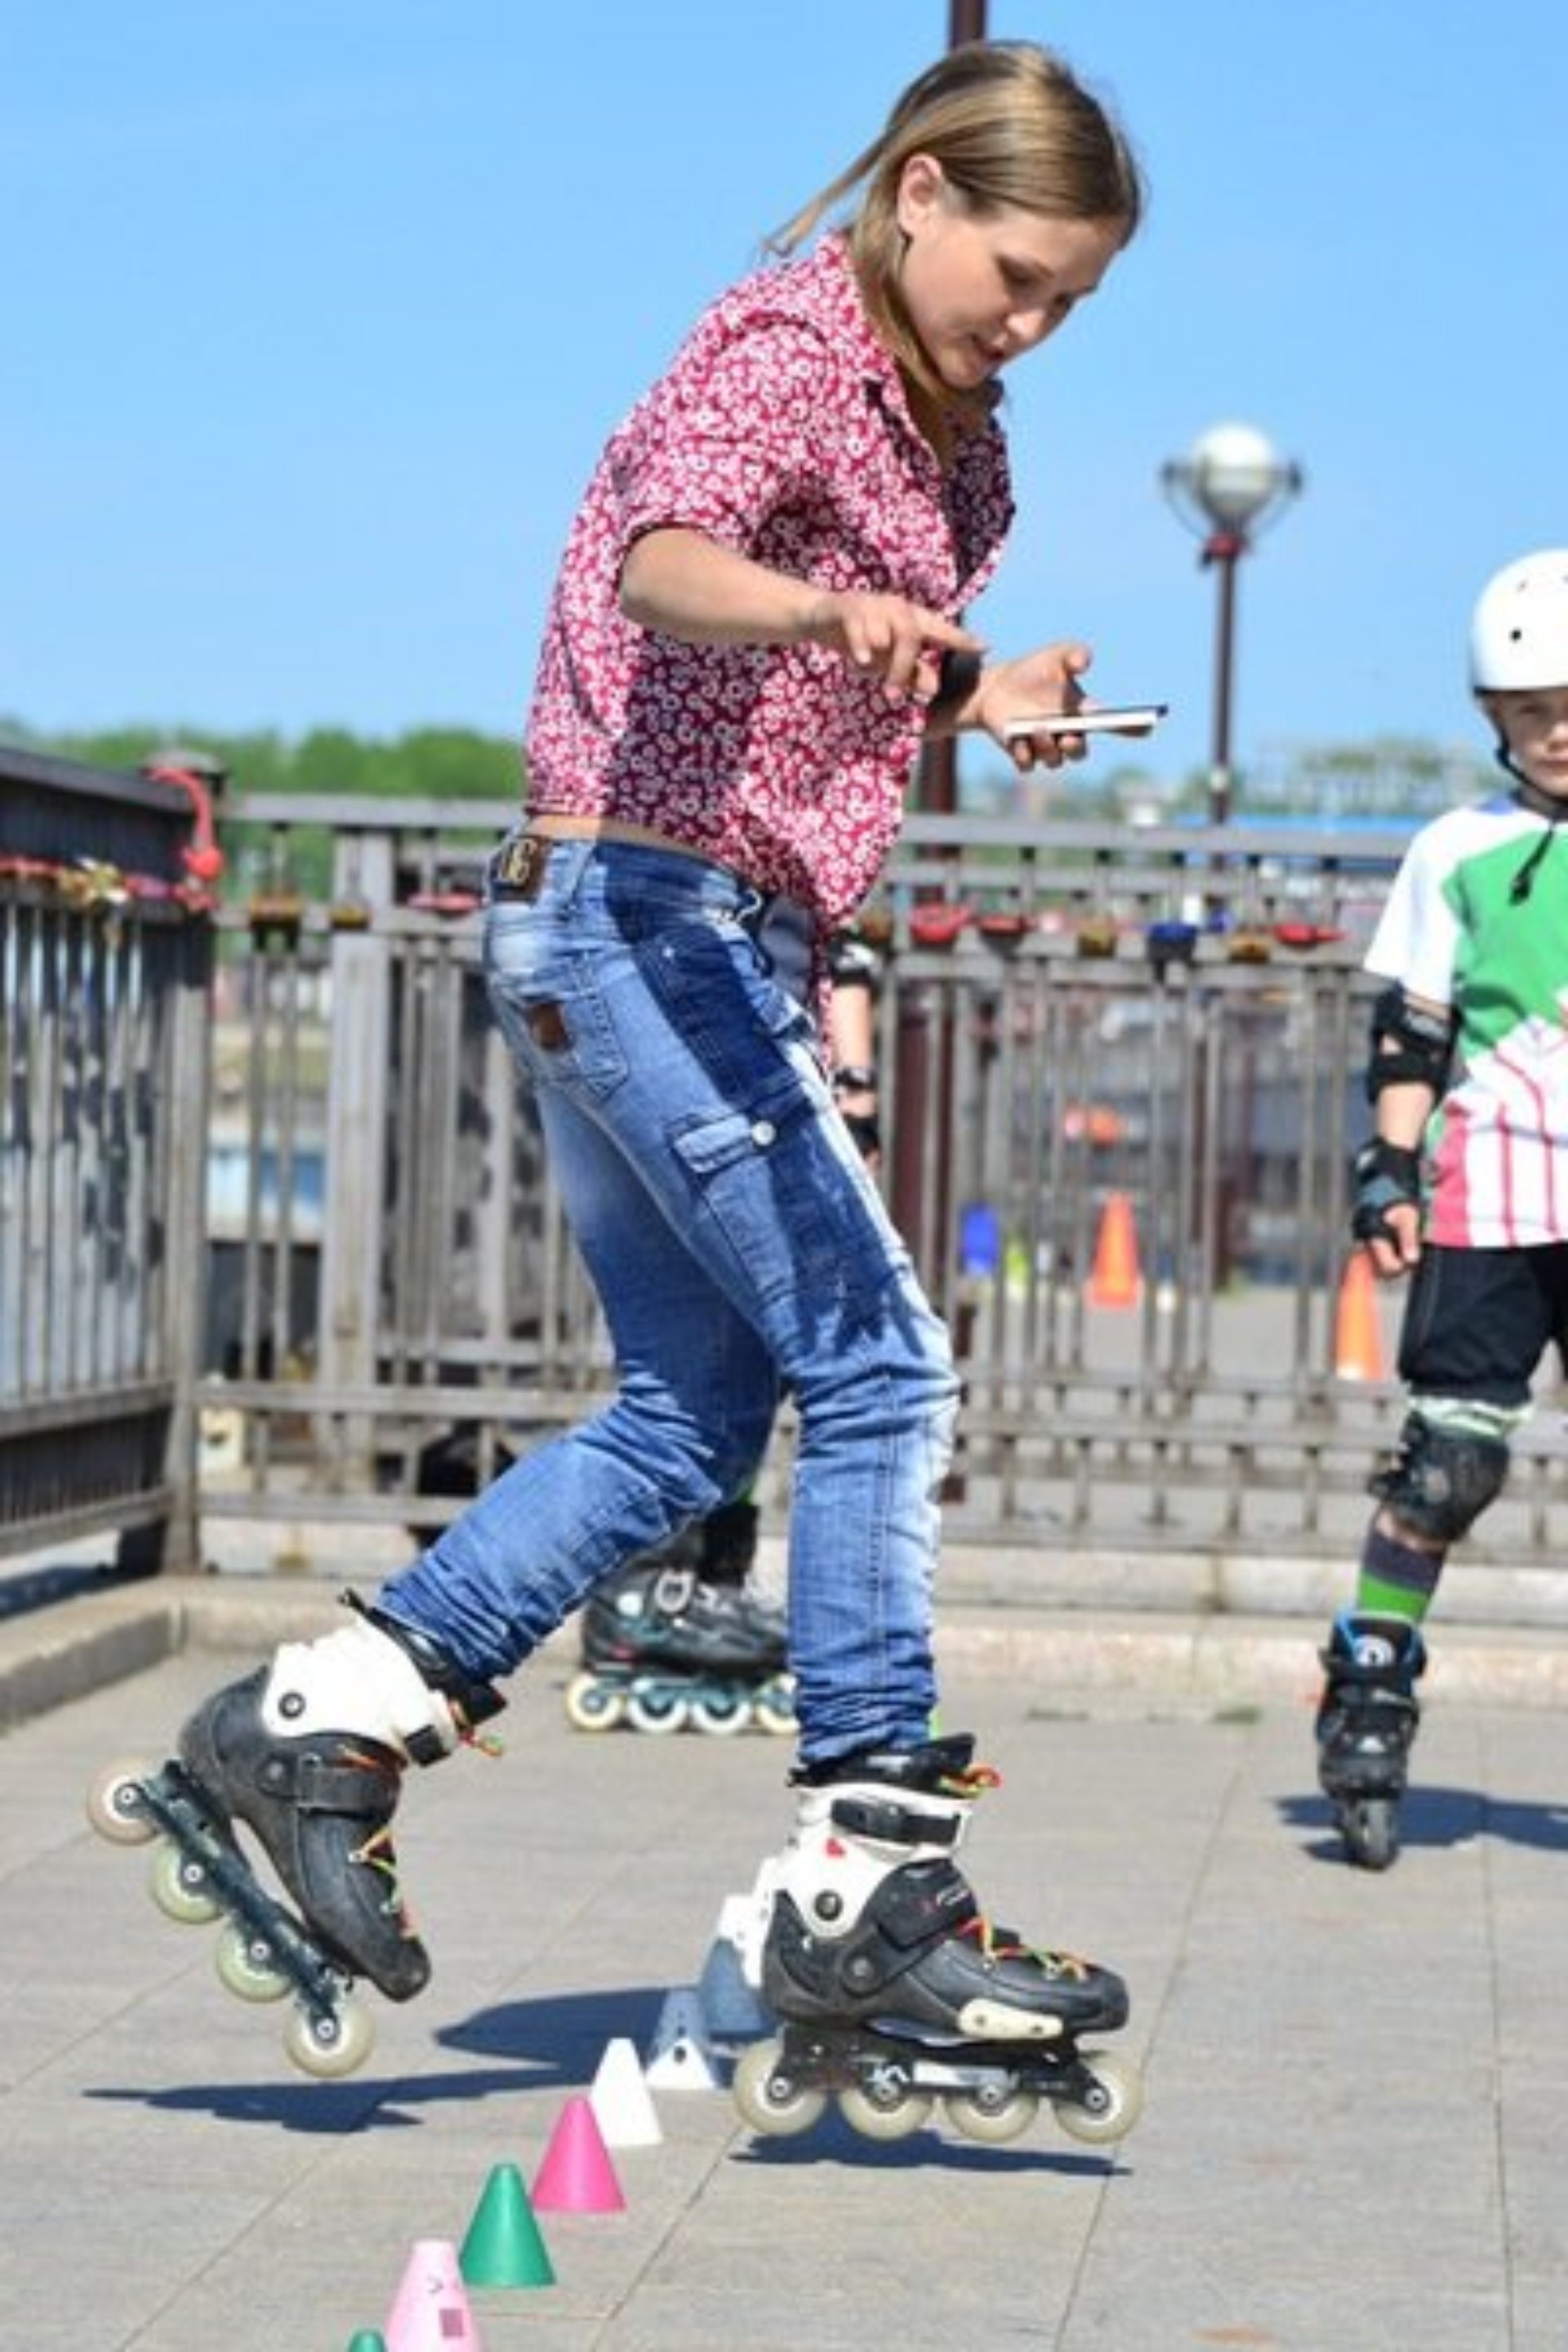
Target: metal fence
x,y
105,945
1122,1091
1099,1044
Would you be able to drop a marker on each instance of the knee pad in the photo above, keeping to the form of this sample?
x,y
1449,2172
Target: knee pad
x,y
1441,1480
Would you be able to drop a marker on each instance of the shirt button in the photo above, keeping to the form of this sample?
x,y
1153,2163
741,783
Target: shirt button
x,y
763,1132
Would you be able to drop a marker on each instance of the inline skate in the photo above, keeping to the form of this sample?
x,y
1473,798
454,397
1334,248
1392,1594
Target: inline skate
x,y
1365,1726
891,1992
307,1755
676,1640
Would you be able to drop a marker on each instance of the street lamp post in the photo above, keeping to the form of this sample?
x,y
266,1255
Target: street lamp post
x,y
1229,486
936,778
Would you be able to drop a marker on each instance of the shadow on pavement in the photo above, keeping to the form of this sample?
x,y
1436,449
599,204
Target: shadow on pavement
x,y
832,2142
556,2043
1440,1817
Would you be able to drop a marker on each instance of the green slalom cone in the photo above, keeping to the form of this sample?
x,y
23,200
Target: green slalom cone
x,y
504,2246
368,2340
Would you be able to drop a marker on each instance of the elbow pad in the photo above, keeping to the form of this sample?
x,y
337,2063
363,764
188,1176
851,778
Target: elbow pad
x,y
1410,1046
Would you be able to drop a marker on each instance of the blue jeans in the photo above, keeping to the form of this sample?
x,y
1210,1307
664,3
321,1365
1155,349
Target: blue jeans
x,y
739,1248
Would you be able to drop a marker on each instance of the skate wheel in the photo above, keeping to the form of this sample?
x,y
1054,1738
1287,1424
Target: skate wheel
x,y
1115,2107
884,2110
180,1888
114,1805
771,2103
593,1705
659,1712
1370,1826
773,1709
329,2047
245,1966
992,2116
720,1714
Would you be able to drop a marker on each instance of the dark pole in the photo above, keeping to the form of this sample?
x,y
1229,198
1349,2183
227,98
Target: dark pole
x,y
1225,551
937,784
936,793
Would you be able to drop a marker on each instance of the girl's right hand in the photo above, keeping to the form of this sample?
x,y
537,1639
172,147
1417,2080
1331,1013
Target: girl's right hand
x,y
890,637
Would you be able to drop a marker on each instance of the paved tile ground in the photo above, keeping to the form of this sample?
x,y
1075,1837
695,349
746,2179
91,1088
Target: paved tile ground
x,y
1353,2140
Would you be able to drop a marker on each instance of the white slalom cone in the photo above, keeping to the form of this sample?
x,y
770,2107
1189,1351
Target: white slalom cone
x,y
622,2101
682,2056
732,2011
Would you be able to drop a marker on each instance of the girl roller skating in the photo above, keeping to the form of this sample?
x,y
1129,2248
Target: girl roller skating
x,y
756,626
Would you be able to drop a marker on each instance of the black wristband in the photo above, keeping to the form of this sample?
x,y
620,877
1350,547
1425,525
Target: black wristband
x,y
958,674
867,1132
854,1078
1387,1176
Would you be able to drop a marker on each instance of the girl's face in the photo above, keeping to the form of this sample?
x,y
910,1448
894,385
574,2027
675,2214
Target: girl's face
x,y
980,289
1534,726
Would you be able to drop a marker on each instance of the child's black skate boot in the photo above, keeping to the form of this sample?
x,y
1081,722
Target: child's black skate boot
x,y
890,1987
1366,1723
310,1752
666,1645
727,1544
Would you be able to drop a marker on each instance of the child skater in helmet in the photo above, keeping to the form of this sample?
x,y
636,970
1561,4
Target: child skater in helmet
x,y
756,624
1463,1186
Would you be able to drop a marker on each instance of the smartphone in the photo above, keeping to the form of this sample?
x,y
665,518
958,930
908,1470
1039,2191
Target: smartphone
x,y
1110,718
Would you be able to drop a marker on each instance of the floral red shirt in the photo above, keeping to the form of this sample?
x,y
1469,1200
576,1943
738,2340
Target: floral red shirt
x,y
781,430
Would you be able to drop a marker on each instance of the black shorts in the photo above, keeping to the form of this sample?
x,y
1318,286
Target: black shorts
x,y
1478,1321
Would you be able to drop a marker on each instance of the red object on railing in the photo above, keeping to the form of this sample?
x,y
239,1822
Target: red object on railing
x,y
938,925
201,857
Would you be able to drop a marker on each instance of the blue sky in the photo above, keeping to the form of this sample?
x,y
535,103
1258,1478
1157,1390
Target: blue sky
x,y
319,314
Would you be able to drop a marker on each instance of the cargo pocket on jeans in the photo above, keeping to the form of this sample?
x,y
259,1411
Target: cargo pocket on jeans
x,y
770,1182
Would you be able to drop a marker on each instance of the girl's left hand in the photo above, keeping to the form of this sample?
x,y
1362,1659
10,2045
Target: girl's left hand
x,y
1048,680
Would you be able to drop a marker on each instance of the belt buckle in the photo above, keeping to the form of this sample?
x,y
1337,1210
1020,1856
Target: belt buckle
x,y
520,865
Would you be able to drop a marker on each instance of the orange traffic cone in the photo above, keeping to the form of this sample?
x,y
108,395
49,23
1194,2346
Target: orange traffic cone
x,y
1115,1280
1358,1329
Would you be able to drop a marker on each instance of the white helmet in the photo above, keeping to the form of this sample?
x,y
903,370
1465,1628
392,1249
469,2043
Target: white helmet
x,y
1519,635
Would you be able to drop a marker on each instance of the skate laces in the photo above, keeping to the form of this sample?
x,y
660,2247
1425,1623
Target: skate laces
x,y
483,1743
1000,1944
377,1853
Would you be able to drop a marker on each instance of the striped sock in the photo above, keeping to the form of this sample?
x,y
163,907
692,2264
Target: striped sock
x,y
1396,1579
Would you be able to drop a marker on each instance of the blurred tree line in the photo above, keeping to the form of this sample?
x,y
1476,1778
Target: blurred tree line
x,y
426,764
430,763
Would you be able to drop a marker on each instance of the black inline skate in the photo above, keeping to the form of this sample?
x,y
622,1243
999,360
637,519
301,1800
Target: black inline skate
x,y
307,1755
678,1639
891,1990
1366,1723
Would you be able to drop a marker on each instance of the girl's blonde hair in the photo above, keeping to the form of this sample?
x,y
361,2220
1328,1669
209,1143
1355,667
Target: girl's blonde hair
x,y
1010,125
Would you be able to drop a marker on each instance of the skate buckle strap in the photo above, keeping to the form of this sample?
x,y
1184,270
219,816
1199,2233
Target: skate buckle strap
x,y
351,1783
887,1823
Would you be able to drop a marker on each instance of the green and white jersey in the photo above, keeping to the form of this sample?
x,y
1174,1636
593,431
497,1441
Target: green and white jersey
x,y
1465,925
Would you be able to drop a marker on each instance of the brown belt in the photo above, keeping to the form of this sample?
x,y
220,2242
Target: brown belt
x,y
517,869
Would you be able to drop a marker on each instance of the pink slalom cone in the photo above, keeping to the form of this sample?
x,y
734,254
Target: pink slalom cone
x,y
578,2176
431,2311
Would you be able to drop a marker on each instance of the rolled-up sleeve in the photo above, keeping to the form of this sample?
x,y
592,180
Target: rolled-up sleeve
x,y
729,444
